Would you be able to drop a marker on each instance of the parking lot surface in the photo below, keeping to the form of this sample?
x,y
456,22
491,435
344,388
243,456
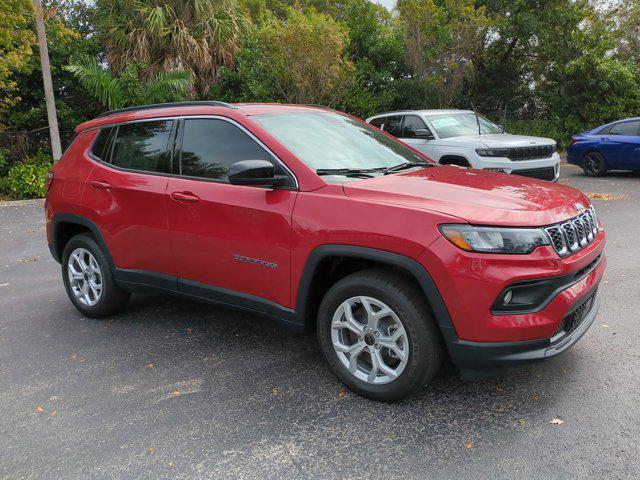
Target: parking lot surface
x,y
174,389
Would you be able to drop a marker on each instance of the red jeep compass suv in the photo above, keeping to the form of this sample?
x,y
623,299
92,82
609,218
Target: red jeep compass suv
x,y
317,219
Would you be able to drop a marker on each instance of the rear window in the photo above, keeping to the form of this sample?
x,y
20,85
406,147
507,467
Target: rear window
x,y
98,150
625,128
143,146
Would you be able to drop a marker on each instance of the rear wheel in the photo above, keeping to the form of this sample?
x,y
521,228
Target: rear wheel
x,y
593,165
377,333
88,279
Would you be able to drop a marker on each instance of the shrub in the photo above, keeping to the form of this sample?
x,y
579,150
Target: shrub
x,y
27,179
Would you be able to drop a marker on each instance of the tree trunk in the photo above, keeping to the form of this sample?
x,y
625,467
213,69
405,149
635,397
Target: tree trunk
x,y
56,149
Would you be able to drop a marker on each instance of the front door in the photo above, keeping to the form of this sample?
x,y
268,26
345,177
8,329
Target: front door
x,y
228,241
621,145
410,124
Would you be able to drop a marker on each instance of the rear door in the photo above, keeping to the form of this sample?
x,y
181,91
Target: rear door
x,y
126,194
621,145
228,240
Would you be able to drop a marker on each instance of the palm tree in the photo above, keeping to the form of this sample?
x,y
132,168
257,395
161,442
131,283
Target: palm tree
x,y
127,89
198,36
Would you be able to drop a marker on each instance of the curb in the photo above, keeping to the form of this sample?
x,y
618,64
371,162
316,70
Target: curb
x,y
20,203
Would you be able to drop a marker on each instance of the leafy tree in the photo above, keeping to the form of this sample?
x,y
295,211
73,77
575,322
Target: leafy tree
x,y
198,36
298,60
443,39
126,88
16,39
627,15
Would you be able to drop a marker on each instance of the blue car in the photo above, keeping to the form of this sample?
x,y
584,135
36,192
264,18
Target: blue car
x,y
615,146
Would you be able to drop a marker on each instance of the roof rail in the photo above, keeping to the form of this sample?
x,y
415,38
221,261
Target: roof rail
x,y
204,103
408,110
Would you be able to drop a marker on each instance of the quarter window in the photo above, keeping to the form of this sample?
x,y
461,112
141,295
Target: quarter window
x,y
410,125
143,146
625,128
98,150
210,147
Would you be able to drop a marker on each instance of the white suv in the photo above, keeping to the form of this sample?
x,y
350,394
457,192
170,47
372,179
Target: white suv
x,y
460,137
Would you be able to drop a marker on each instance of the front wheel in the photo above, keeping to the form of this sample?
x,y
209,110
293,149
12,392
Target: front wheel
x,y
593,165
376,331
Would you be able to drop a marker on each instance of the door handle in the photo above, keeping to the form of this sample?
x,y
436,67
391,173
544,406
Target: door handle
x,y
100,184
185,197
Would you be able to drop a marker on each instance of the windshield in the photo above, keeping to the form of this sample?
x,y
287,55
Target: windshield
x,y
326,140
463,123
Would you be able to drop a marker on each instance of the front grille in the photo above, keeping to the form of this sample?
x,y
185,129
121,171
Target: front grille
x,y
545,173
571,321
574,234
517,154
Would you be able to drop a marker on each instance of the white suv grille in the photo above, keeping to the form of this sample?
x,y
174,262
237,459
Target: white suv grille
x,y
574,234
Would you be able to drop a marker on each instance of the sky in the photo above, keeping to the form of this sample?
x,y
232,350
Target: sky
x,y
387,3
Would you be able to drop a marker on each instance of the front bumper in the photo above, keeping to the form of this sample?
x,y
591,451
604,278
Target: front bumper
x,y
510,166
483,355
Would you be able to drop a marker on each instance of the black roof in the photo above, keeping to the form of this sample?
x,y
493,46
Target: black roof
x,y
204,103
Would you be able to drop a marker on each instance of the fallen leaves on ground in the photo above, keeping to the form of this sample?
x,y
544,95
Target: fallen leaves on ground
x,y
175,393
275,390
522,421
189,330
605,326
536,397
342,393
149,365
74,357
30,259
499,410
54,413
499,390
556,421
151,450
604,196
469,445
39,409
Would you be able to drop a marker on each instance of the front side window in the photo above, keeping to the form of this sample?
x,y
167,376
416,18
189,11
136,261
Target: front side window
x,y
326,140
143,146
377,122
625,128
410,125
210,147
462,123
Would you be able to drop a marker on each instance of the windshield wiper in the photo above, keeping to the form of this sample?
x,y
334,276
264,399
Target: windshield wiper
x,y
349,172
406,165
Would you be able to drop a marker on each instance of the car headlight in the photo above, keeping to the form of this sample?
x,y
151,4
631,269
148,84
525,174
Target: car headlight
x,y
494,239
492,152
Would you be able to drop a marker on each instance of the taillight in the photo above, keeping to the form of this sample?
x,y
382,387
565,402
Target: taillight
x,y
574,140
49,180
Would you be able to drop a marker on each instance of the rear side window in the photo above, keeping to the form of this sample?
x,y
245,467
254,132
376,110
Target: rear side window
x,y
210,147
625,128
377,122
143,146
99,148
392,125
410,125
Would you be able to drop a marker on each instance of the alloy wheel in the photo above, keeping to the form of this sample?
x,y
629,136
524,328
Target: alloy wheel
x,y
370,340
85,277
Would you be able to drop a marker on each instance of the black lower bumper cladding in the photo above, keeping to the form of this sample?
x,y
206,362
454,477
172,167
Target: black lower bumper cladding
x,y
481,355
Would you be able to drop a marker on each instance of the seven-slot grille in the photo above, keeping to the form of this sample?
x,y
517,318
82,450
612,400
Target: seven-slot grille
x,y
529,153
574,234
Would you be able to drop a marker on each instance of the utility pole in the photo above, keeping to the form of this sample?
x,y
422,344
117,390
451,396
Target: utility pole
x,y
56,149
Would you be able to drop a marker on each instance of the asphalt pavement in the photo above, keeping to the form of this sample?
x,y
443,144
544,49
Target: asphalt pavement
x,y
174,389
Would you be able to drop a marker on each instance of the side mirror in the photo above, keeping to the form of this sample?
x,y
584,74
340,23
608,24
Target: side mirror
x,y
254,172
424,133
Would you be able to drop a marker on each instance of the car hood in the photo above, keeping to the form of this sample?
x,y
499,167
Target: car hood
x,y
477,196
497,140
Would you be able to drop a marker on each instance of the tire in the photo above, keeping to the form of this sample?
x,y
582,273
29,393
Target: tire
x,y
418,345
91,301
593,165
